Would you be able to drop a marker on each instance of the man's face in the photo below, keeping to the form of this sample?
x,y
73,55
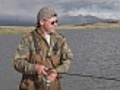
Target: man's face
x,y
49,25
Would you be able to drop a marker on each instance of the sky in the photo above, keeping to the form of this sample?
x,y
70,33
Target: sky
x,y
27,9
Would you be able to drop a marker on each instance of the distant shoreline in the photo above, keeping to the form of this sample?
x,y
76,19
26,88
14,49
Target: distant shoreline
x,y
26,29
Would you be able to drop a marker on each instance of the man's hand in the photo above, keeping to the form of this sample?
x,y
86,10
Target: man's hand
x,y
52,76
41,69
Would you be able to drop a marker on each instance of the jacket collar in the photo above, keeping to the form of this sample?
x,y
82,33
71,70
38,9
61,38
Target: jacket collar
x,y
40,31
40,34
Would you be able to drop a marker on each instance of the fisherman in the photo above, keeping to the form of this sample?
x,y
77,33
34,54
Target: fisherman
x,y
43,54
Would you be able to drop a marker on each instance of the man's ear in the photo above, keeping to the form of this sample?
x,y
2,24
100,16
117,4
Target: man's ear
x,y
41,22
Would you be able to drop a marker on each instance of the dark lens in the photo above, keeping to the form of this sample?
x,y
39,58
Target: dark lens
x,y
52,23
55,14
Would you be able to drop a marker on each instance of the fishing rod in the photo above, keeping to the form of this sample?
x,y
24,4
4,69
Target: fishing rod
x,y
92,76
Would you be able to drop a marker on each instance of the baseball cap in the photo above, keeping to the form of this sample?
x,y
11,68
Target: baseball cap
x,y
46,13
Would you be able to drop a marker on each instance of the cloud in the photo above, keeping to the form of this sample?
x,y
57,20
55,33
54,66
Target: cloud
x,y
108,11
27,9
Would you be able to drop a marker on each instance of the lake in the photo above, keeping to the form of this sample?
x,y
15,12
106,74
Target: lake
x,y
96,64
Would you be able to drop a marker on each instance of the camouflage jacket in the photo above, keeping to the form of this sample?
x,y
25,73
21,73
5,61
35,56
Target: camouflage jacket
x,y
56,55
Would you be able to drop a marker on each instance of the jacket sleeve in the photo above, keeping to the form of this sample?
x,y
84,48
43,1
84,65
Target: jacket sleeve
x,y
66,58
21,60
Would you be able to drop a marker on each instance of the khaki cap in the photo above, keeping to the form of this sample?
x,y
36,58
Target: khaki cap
x,y
46,13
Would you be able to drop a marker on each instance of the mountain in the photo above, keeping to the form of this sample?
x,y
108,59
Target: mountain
x,y
15,23
7,20
88,19
76,20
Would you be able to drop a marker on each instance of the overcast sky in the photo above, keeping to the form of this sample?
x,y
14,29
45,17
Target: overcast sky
x,y
27,9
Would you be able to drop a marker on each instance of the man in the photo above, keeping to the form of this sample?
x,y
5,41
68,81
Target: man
x,y
43,54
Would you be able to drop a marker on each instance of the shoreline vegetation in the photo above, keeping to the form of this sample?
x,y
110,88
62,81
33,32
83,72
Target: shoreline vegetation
x,y
25,29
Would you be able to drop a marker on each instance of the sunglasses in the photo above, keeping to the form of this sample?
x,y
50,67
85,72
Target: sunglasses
x,y
53,22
